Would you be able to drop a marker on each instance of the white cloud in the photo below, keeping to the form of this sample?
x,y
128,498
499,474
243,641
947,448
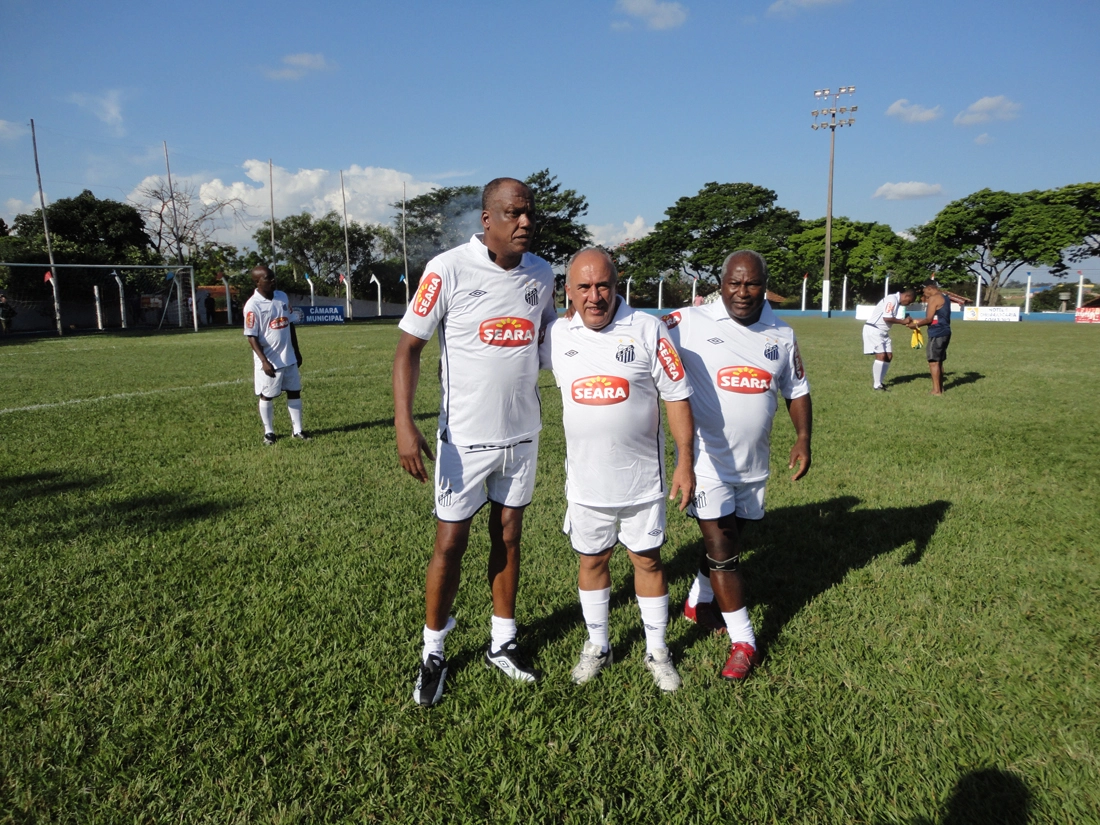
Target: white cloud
x,y
789,7
369,191
983,139
913,112
9,130
654,13
908,191
297,66
106,107
612,234
987,109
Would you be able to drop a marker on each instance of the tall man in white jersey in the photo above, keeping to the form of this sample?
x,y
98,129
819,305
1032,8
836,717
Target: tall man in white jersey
x,y
876,333
275,353
490,300
612,365
739,357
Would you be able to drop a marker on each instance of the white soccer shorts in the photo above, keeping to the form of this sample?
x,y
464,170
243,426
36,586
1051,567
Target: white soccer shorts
x,y
467,477
875,340
715,499
286,378
639,528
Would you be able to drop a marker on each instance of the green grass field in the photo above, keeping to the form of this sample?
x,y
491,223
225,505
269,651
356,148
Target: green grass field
x,y
196,628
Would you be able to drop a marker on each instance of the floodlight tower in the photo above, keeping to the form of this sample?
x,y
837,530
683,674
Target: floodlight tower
x,y
830,110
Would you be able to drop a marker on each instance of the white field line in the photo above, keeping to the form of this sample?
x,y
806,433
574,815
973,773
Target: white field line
x,y
138,394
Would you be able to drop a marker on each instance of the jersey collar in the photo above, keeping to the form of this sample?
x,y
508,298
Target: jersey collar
x,y
624,316
477,244
718,312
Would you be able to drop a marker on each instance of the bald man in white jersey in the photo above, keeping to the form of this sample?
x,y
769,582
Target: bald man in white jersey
x,y
612,365
739,357
490,300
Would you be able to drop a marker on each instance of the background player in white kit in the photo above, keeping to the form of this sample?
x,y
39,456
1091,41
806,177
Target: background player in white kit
x,y
490,300
612,364
739,356
275,353
876,333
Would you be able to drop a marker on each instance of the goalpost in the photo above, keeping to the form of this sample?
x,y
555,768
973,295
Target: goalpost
x,y
175,295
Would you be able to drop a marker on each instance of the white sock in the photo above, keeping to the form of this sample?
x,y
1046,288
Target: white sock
x,y
739,626
701,591
433,639
654,610
885,369
267,415
294,407
504,630
596,608
878,371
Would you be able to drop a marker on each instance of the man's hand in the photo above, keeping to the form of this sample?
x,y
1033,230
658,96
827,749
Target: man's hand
x,y
410,444
683,482
800,454
299,358
268,368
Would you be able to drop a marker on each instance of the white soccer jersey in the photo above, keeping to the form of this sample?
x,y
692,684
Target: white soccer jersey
x,y
737,374
489,323
888,307
610,381
270,322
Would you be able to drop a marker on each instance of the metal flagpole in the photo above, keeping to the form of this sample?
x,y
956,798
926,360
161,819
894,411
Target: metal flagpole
x,y
347,247
404,245
46,229
121,298
271,201
175,214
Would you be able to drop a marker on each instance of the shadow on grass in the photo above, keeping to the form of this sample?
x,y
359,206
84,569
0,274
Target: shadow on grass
x,y
367,425
986,797
53,507
950,379
797,553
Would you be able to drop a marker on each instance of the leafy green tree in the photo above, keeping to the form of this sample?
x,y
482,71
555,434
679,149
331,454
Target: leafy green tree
x,y
315,246
865,252
558,233
992,234
1085,199
83,230
701,230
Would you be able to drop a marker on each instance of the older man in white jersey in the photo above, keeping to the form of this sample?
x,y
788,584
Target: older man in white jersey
x,y
612,365
739,358
490,300
876,333
275,353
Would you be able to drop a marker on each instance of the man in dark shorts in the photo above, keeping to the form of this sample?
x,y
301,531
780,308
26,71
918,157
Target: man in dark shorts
x,y
937,317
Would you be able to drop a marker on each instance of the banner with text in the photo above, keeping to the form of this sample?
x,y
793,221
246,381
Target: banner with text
x,y
991,314
321,315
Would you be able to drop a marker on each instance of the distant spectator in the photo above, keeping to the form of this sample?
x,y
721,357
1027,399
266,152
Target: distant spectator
x,y
209,305
7,314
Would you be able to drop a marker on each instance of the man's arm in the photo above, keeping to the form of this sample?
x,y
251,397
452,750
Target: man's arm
x,y
294,343
929,313
802,416
265,365
682,426
406,374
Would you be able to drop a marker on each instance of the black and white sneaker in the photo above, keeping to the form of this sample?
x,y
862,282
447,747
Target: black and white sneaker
x,y
269,438
429,681
509,661
301,436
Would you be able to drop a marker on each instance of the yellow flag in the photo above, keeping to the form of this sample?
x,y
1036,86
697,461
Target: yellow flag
x,y
917,341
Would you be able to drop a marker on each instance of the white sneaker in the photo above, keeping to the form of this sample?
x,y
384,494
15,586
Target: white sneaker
x,y
659,663
592,661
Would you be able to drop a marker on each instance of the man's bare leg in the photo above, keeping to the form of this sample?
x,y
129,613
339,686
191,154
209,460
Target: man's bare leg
x,y
445,570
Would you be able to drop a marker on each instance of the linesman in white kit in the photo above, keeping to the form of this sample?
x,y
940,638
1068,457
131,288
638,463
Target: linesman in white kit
x,y
612,365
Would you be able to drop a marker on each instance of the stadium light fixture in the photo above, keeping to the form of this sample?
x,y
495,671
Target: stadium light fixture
x,y
831,124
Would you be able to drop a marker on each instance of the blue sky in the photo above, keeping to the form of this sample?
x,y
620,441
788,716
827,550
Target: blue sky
x,y
634,103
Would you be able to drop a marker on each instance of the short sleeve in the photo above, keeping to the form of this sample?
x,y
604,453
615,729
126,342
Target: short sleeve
x,y
793,383
251,321
668,371
428,306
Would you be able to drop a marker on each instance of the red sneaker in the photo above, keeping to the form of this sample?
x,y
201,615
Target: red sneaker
x,y
705,614
741,661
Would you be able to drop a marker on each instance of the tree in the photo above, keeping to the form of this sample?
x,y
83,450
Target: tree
x,y
865,252
438,220
700,231
83,230
558,234
992,234
1084,198
180,221
315,247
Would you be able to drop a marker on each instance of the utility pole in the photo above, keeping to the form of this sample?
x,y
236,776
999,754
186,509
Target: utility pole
x,y
831,124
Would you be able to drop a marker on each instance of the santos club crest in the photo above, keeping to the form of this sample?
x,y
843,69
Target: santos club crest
x,y
531,296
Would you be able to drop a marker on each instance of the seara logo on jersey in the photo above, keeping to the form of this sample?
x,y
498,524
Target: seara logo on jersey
x,y
600,390
282,322
250,319
427,294
670,360
747,380
671,320
507,332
